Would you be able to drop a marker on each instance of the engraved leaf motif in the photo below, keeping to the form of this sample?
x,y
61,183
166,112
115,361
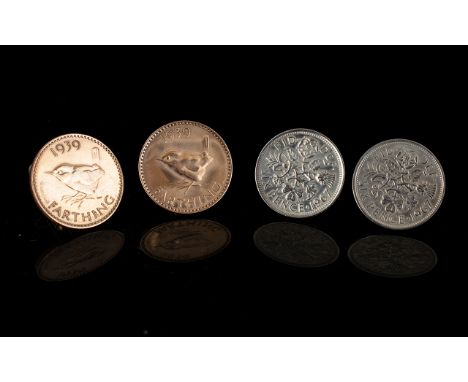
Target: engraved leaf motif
x,y
304,178
307,147
272,159
411,201
392,202
312,188
406,159
395,177
278,162
378,178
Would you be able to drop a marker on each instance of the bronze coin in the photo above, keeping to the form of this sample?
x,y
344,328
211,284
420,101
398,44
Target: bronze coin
x,y
76,181
185,167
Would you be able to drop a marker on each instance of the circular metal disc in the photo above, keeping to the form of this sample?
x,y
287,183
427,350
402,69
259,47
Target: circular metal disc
x,y
398,184
77,181
299,173
185,167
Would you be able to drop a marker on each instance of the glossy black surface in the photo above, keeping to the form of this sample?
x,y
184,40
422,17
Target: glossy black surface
x,y
239,291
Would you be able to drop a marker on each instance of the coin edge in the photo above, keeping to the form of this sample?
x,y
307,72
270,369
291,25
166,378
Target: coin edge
x,y
33,181
151,138
342,178
365,157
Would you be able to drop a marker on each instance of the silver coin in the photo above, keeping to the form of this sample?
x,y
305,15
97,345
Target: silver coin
x,y
392,256
296,244
398,184
299,173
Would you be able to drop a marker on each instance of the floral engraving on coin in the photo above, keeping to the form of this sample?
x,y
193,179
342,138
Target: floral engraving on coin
x,y
398,184
299,173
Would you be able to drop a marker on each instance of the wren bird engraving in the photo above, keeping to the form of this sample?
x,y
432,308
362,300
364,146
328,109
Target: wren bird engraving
x,y
187,169
84,179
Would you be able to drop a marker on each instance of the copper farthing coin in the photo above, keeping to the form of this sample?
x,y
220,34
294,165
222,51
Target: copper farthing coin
x,y
185,167
76,181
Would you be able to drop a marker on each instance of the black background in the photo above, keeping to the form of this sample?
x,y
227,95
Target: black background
x,y
122,98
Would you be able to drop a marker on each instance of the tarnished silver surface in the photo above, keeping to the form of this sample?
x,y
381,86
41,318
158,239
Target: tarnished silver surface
x,y
299,173
392,256
296,244
398,184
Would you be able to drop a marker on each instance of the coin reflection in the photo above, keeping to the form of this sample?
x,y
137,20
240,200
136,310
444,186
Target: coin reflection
x,y
185,240
392,256
296,244
80,256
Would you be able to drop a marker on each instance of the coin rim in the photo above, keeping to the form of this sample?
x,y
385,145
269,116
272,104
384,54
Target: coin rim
x,y
363,269
324,207
366,155
40,263
158,131
33,181
143,247
297,265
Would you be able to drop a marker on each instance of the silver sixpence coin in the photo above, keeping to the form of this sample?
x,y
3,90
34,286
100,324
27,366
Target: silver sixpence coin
x,y
299,173
392,256
398,184
296,244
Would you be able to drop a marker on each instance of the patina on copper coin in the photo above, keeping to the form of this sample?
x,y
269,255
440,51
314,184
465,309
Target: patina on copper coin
x,y
76,181
185,240
299,173
185,167
398,184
